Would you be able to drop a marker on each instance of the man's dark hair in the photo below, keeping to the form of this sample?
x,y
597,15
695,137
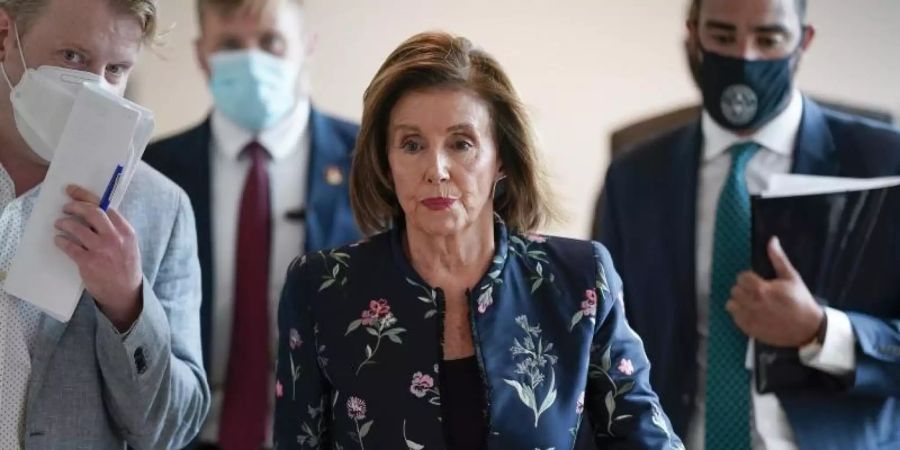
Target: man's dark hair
x,y
694,11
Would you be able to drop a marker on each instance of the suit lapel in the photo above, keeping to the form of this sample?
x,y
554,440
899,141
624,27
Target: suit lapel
x,y
682,200
328,171
195,178
814,152
47,341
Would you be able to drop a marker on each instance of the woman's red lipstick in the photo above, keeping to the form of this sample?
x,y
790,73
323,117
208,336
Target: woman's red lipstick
x,y
438,203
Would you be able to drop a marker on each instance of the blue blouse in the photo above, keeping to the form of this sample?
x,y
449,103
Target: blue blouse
x,y
361,341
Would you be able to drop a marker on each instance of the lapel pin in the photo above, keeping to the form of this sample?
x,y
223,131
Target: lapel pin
x,y
334,176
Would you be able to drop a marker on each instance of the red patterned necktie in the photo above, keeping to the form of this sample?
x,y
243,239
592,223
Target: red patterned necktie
x,y
245,409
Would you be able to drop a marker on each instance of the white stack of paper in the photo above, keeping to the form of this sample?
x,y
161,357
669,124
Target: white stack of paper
x,y
791,185
103,136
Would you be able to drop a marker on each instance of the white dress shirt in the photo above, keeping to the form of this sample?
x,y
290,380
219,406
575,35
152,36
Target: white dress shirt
x,y
19,320
288,144
770,427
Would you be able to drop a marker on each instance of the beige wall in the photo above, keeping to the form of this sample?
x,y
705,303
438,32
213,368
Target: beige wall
x,y
584,67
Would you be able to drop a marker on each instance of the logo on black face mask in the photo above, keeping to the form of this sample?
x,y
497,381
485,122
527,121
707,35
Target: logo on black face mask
x,y
739,104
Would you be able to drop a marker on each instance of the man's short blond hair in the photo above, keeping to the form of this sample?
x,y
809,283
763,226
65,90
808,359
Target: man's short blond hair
x,y
24,12
228,7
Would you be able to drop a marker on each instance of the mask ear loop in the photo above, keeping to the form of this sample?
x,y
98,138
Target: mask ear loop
x,y
21,57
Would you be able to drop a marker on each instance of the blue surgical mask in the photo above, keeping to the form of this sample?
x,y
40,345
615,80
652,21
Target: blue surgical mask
x,y
253,88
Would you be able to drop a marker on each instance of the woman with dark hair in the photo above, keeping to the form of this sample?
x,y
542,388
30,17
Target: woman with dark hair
x,y
453,325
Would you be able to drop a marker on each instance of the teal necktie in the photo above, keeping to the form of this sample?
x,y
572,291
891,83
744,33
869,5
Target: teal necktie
x,y
727,381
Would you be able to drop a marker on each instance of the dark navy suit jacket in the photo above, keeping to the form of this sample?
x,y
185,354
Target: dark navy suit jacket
x,y
328,221
646,217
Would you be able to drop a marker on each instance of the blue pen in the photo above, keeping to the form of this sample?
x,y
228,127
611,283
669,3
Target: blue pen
x,y
111,187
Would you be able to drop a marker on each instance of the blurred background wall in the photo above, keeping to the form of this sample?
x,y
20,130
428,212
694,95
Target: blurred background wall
x,y
583,67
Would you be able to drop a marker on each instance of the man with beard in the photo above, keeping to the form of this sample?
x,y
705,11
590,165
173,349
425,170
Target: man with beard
x,y
675,216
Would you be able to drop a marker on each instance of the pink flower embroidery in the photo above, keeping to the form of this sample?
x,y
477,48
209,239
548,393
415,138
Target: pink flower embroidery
x,y
279,389
589,305
536,238
356,408
579,406
379,308
379,322
625,367
294,341
421,383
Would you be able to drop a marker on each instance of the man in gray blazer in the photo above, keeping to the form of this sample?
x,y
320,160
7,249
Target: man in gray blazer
x,y
126,369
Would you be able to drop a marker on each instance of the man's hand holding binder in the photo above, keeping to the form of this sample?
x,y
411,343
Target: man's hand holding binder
x,y
822,296
781,311
104,246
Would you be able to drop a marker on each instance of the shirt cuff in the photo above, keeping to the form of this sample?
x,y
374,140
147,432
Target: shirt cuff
x,y
108,324
837,355
749,362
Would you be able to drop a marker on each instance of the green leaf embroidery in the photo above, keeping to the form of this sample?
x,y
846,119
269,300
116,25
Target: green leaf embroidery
x,y
353,326
536,285
606,360
551,395
575,319
327,283
521,391
410,444
364,430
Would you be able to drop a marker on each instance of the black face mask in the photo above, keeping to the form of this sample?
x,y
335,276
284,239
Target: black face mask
x,y
741,94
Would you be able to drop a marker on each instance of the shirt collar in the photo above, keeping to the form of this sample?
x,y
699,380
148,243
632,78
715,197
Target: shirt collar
x,y
778,135
8,190
280,140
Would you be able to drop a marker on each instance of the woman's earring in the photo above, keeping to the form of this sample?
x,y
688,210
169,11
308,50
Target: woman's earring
x,y
496,185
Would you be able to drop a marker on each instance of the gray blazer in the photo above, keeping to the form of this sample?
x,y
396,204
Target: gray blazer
x,y
92,388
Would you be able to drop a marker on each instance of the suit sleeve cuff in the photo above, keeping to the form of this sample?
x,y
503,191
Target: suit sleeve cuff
x,y
145,343
837,355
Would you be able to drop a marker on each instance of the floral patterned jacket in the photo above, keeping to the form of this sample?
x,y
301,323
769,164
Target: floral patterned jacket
x,y
360,343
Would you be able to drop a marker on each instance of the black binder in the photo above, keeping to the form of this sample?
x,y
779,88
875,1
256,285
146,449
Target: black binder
x,y
846,247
